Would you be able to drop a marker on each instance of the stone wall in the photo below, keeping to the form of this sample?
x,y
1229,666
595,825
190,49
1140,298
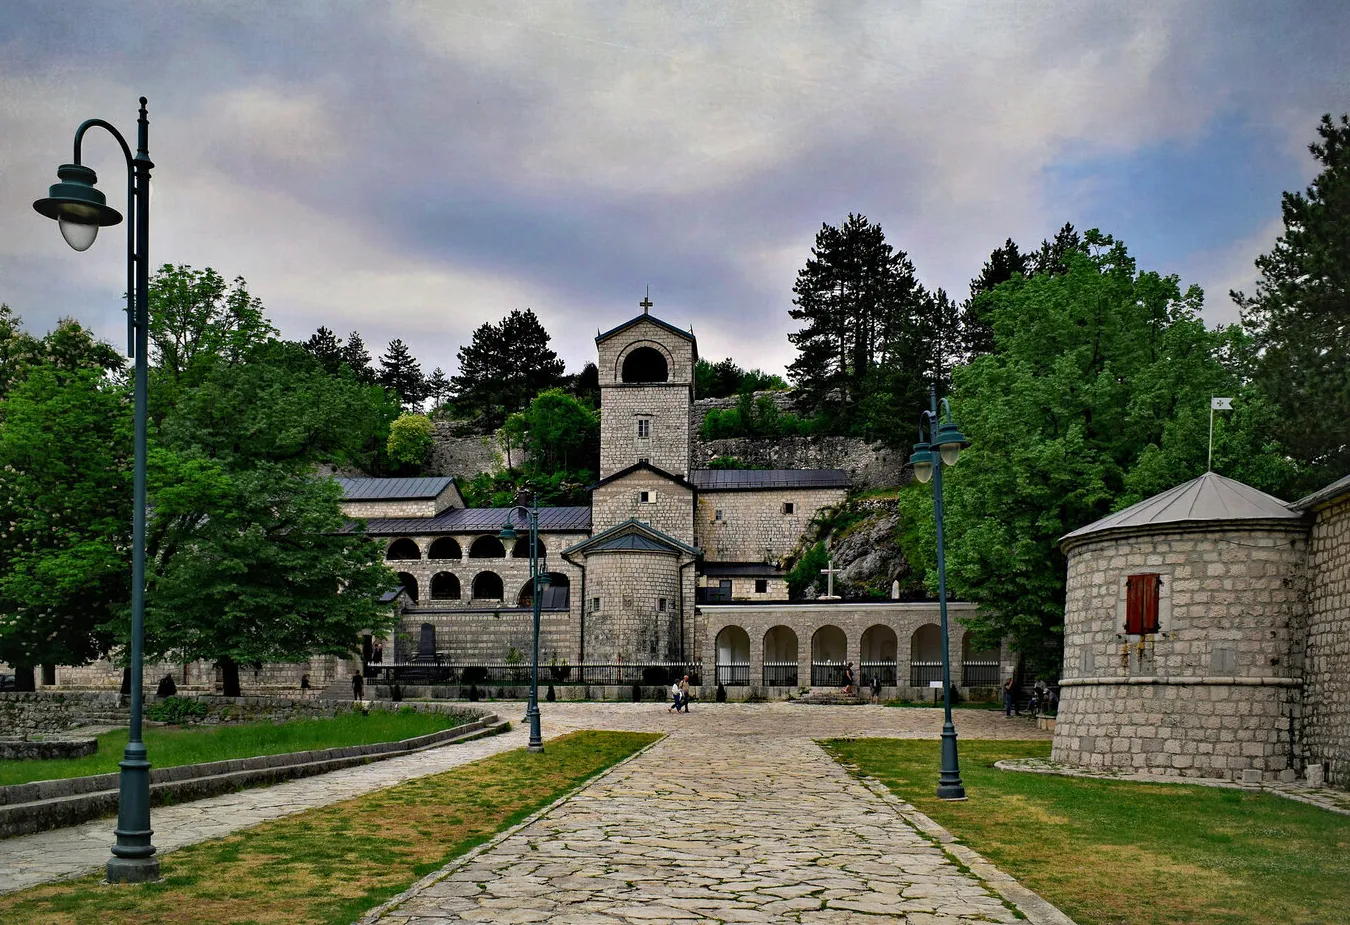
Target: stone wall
x,y
1212,693
670,510
754,527
868,466
368,510
678,350
466,456
639,618
485,637
743,588
1327,692
56,711
665,408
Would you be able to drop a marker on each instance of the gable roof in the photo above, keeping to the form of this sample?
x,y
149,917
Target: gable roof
x,y
373,489
1333,491
480,520
1211,498
649,539
764,479
687,335
615,476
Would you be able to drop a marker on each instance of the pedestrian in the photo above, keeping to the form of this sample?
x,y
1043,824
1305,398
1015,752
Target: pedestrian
x,y
684,694
304,685
876,688
848,677
358,687
377,656
1010,697
675,698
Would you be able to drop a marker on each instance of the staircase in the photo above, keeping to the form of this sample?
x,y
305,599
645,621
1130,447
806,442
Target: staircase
x,y
832,696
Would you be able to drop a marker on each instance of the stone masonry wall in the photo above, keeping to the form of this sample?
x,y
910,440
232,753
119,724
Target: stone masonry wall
x,y
753,527
485,637
671,511
664,406
368,510
1211,694
630,623
868,466
1327,691
679,352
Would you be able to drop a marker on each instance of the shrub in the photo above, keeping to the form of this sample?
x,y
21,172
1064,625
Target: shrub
x,y
176,710
637,693
473,693
550,696
721,693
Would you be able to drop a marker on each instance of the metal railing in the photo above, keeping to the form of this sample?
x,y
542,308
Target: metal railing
x,y
733,674
922,673
980,674
780,674
870,670
827,674
432,672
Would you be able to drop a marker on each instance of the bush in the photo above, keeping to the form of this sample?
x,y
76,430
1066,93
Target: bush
x,y
550,696
176,710
637,693
473,674
721,693
473,693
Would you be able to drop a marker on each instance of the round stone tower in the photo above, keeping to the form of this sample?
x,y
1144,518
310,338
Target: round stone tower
x,y
1183,634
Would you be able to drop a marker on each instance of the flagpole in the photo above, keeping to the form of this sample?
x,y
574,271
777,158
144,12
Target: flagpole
x,y
1209,464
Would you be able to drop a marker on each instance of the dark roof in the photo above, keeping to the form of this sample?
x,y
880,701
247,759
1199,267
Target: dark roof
x,y
630,541
617,537
638,319
762,479
1317,498
482,520
389,597
741,570
635,467
365,489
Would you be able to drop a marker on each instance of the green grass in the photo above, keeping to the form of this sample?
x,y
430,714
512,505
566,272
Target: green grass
x,y
170,746
329,865
1122,853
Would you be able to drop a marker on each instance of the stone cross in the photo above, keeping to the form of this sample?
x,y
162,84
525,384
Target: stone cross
x,y
829,574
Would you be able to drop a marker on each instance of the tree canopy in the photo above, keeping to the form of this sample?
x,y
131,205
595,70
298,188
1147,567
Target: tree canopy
x,y
504,367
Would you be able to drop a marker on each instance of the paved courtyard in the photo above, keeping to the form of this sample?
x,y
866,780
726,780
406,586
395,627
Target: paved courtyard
x,y
736,816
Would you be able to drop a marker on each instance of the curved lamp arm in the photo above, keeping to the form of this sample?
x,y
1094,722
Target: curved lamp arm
x,y
130,216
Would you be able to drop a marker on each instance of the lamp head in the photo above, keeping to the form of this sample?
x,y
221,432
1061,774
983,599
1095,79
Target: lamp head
x,y
922,461
950,442
508,531
78,206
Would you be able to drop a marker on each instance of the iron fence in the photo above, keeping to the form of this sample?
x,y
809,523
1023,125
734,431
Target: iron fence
x,y
885,670
980,674
780,674
923,673
431,672
733,675
827,674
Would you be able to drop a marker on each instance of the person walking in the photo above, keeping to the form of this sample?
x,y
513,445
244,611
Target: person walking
x,y
876,688
304,685
358,687
675,698
684,694
1010,697
848,677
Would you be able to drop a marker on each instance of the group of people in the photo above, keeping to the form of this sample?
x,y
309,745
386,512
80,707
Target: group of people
x,y
1042,700
848,683
679,691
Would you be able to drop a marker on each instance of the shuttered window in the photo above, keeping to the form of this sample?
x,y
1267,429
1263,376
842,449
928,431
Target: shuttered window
x,y
1141,604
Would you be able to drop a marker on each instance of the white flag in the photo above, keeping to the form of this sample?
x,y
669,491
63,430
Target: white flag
x,y
1221,404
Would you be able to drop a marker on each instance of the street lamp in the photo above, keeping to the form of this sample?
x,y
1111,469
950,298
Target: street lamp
x,y
538,581
80,210
943,446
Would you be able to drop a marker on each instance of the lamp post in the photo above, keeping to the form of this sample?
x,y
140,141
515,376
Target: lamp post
x,y
943,446
80,210
538,581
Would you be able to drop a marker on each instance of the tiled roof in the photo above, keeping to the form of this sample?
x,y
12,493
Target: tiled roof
x,y
608,540
1330,493
367,489
482,520
741,570
630,541
640,318
763,479
1210,498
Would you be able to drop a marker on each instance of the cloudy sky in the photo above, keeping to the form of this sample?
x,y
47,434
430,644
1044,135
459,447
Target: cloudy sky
x,y
411,170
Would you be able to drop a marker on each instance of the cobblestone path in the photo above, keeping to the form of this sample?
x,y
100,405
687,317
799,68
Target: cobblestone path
x,y
712,827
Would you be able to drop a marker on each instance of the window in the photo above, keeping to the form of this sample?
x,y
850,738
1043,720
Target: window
x,y
643,460
761,586
644,428
660,605
646,497
717,515
1141,603
789,507
595,604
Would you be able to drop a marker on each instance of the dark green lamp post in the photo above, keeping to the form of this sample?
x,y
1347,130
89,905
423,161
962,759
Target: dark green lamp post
x,y
943,446
538,581
81,209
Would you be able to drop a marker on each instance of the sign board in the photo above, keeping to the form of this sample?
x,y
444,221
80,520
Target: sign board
x,y
937,684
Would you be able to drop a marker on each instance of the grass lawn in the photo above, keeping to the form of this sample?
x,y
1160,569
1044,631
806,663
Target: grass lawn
x,y
329,865
170,746
1121,853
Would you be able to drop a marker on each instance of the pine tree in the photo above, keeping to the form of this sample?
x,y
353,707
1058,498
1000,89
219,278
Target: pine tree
x,y
1006,262
401,374
1300,316
356,358
437,388
325,347
504,366
1052,258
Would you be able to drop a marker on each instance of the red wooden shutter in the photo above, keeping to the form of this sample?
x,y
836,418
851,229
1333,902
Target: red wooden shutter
x,y
1151,584
1134,604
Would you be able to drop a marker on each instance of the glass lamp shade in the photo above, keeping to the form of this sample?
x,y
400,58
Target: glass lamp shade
x,y
950,441
543,573
79,235
923,466
950,451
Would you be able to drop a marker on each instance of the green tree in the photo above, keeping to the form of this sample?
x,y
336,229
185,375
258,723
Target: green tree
x,y
437,388
1006,262
195,314
1300,316
504,366
1096,394
326,347
356,358
18,349
410,440
401,374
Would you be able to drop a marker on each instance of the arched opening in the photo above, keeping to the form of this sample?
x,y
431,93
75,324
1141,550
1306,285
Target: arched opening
x,y
402,549
557,593
487,547
979,667
925,655
445,548
426,643
877,655
645,364
409,584
828,648
522,548
487,586
780,657
445,586
733,657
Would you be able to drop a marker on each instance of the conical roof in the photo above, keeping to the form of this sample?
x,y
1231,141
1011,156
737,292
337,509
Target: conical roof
x,y
1211,498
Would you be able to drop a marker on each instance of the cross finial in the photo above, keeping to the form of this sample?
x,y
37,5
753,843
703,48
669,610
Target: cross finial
x,y
646,302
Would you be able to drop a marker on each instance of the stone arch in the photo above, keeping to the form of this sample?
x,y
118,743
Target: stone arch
x,y
445,586
925,655
403,549
487,586
447,547
979,667
409,585
780,657
879,644
829,648
522,548
733,656
487,547
645,361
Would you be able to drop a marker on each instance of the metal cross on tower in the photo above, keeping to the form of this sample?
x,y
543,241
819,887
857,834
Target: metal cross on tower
x,y
646,303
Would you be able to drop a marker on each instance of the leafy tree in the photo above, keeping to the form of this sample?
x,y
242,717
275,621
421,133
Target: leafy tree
x,y
1053,256
18,349
326,347
196,314
401,374
1300,316
586,385
1003,264
1096,394
559,433
410,440
504,366
725,378
356,358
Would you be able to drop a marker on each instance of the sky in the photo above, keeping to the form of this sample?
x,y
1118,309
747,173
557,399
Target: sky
x,y
414,169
